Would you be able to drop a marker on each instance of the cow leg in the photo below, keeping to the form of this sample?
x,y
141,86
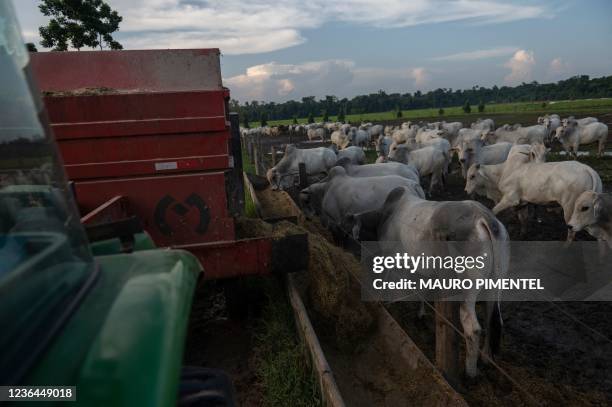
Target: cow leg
x,y
494,328
505,203
601,148
523,216
471,330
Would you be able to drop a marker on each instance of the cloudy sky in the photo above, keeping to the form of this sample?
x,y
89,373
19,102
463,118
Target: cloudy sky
x,y
275,50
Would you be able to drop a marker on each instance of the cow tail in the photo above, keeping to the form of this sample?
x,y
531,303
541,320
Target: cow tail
x,y
490,229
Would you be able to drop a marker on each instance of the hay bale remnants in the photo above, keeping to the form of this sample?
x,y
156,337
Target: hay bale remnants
x,y
333,295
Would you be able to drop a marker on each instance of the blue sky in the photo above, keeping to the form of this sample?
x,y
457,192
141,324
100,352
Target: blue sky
x,y
287,49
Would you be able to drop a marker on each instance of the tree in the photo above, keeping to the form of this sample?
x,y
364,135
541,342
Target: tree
x,y
325,116
295,119
466,107
481,106
341,115
79,23
440,112
31,47
398,112
263,119
310,118
245,121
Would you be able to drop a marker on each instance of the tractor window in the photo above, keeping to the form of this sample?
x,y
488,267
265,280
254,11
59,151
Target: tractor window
x,y
44,255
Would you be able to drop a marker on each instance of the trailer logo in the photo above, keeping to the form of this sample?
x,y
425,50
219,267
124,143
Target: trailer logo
x,y
193,201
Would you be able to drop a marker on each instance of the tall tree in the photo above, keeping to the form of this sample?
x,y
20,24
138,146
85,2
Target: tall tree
x,y
295,121
245,121
79,24
31,47
481,106
263,120
341,115
325,116
310,118
466,107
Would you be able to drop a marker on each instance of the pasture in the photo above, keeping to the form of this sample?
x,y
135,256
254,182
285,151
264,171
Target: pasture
x,y
502,112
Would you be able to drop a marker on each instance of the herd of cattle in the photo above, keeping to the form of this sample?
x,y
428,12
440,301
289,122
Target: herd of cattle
x,y
384,201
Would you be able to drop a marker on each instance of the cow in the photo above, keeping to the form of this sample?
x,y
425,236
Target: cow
x,y
483,124
543,183
483,179
340,139
573,135
517,134
473,151
593,212
582,122
316,132
317,161
340,195
382,145
430,161
360,138
354,154
411,220
380,169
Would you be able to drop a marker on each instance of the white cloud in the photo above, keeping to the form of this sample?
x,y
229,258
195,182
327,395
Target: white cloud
x,y
478,54
256,26
278,82
421,76
273,81
521,66
558,67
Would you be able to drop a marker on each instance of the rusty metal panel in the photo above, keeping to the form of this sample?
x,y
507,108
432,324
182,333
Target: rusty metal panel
x,y
174,209
144,70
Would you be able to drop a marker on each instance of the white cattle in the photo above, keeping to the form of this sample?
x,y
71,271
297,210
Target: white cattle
x,y
410,220
340,195
593,212
573,135
483,124
353,153
517,134
316,133
582,122
429,161
380,169
473,151
317,160
361,138
544,183
340,139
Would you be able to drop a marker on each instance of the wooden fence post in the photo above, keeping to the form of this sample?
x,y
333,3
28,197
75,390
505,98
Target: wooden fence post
x,y
256,153
447,340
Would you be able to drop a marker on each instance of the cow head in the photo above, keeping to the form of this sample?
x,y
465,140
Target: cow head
x,y
589,210
476,180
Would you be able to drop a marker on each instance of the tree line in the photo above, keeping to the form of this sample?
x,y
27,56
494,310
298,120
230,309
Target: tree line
x,y
576,87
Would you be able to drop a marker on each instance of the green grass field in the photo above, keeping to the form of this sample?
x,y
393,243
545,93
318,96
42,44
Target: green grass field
x,y
565,106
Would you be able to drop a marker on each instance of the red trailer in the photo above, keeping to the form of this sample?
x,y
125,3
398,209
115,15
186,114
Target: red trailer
x,y
148,134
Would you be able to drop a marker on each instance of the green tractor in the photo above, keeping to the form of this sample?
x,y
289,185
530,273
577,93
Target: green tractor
x,y
99,309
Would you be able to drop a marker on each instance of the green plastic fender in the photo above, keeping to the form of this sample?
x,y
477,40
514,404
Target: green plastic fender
x,y
124,345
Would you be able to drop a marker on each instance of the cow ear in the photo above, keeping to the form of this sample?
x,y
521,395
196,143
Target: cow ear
x,y
599,210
